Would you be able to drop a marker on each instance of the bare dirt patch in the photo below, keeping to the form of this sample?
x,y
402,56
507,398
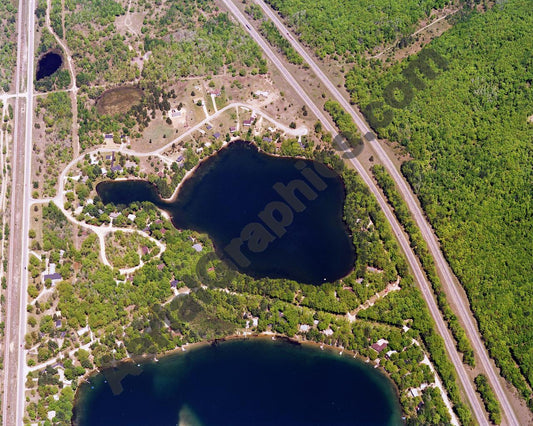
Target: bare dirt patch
x,y
118,100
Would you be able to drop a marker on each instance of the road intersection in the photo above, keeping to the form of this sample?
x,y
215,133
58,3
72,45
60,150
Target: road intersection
x,y
14,354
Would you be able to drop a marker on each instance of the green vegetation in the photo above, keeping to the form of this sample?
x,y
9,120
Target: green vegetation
x,y
55,18
55,110
352,27
125,249
223,44
344,122
61,78
137,315
489,399
470,139
101,55
419,246
8,56
269,30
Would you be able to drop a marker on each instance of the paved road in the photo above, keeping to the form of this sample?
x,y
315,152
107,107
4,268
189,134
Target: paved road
x,y
14,362
463,309
475,403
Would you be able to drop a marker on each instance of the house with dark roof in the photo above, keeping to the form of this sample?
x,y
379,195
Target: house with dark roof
x,y
216,135
247,122
174,283
116,168
232,129
56,276
380,345
267,139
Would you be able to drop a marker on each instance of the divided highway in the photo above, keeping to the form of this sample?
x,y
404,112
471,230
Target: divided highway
x,y
463,310
17,277
427,293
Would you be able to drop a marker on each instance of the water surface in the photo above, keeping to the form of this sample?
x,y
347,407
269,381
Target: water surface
x,y
253,382
48,65
269,216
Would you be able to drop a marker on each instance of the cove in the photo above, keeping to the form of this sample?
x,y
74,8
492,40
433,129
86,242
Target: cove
x,y
48,65
244,382
268,216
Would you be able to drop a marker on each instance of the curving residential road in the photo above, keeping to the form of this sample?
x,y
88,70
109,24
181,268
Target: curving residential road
x,y
463,309
425,287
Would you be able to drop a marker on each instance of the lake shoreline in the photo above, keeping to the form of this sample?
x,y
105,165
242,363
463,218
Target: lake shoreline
x,y
265,336
198,204
190,172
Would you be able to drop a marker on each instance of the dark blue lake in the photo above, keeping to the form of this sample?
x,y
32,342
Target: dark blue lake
x,y
48,65
253,382
269,216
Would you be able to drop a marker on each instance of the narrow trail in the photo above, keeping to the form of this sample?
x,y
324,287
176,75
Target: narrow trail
x,y
73,89
395,286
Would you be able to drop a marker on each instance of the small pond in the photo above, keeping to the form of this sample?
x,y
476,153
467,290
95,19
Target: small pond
x,y
48,65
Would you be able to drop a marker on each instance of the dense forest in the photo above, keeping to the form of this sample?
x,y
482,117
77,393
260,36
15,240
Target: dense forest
x,y
351,27
469,133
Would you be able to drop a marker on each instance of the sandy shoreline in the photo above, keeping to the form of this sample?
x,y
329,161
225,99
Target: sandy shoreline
x,y
136,362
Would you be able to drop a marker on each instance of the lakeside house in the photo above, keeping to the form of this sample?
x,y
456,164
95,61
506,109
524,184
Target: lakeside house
x,y
197,247
216,135
232,129
267,139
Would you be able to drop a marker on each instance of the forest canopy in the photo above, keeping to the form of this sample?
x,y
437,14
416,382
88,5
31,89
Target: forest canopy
x,y
471,142
352,27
